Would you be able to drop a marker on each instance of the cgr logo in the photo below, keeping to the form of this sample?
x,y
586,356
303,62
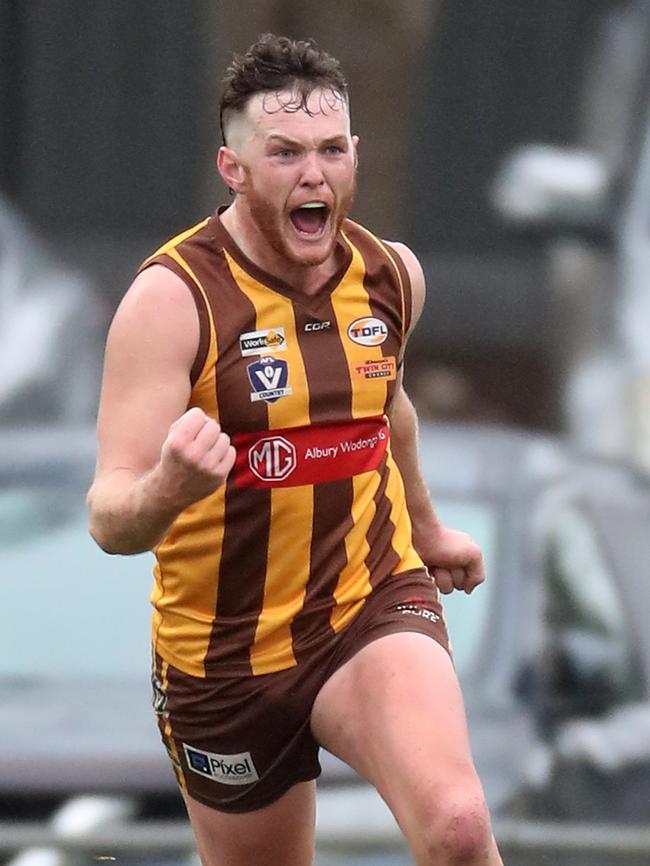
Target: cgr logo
x,y
317,326
272,458
367,331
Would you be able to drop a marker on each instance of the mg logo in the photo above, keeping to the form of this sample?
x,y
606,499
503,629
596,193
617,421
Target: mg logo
x,y
272,459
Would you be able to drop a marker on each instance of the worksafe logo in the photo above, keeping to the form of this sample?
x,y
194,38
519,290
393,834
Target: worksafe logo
x,y
263,342
368,331
227,769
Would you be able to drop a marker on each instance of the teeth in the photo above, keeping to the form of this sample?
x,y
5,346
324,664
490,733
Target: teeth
x,y
312,204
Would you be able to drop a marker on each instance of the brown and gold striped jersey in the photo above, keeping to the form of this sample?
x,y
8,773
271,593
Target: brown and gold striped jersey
x,y
313,515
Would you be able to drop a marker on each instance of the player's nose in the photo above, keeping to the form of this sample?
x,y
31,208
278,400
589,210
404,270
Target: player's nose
x,y
312,171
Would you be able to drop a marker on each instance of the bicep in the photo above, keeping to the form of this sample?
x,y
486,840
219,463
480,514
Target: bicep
x,y
150,350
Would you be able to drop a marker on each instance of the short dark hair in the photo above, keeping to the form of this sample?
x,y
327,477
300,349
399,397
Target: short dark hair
x,y
276,63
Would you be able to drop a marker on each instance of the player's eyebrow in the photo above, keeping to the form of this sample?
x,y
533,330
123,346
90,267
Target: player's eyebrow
x,y
275,138
340,140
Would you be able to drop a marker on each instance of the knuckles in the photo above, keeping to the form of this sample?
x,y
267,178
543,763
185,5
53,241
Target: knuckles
x,y
196,456
199,458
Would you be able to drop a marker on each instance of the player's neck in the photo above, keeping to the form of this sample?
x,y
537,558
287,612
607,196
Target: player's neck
x,y
253,244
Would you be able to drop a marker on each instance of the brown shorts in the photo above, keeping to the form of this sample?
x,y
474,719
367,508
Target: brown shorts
x,y
239,743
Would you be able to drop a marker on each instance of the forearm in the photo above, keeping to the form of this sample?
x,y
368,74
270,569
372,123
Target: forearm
x,y
129,514
404,445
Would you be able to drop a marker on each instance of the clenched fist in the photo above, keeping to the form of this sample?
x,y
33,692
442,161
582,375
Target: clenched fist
x,y
195,458
454,559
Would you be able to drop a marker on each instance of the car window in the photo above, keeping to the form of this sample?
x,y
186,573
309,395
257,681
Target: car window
x,y
68,608
467,615
584,612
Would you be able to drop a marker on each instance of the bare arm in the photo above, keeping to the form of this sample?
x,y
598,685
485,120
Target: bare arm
x,y
453,557
404,437
154,457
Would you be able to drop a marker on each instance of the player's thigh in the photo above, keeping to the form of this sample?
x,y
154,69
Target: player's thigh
x,y
281,833
395,713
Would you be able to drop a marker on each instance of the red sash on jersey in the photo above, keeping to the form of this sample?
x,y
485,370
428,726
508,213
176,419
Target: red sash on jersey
x,y
294,456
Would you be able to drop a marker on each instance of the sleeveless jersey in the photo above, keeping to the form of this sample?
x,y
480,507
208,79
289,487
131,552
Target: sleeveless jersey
x,y
313,516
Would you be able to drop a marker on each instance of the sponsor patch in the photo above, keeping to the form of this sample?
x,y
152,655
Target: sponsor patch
x,y
317,326
384,369
272,458
367,331
263,342
228,769
268,376
294,456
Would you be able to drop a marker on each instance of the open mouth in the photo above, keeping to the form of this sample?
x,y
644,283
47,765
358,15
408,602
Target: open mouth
x,y
310,219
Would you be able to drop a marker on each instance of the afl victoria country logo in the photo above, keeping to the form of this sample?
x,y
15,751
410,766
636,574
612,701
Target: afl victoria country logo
x,y
272,458
367,331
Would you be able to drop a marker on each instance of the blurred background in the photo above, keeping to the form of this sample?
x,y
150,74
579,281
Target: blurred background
x,y
509,145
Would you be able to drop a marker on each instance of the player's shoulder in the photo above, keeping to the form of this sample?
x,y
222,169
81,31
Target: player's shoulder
x,y
155,288
394,249
157,308
413,268
163,279
411,264
156,320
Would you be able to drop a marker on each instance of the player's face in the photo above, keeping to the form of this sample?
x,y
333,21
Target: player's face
x,y
300,169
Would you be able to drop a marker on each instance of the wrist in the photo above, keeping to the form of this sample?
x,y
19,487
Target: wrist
x,y
162,500
426,532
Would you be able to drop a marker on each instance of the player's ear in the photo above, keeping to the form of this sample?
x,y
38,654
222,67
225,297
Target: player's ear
x,y
231,169
355,144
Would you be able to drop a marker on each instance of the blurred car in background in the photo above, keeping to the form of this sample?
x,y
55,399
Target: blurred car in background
x,y
74,643
554,647
52,325
553,651
557,638
590,205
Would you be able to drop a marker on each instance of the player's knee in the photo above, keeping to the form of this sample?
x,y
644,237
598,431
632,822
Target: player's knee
x,y
458,832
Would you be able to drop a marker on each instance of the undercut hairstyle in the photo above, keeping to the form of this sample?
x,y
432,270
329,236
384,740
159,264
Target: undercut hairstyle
x,y
274,64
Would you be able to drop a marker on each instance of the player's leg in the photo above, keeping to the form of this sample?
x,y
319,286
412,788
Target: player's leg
x,y
395,713
245,761
282,833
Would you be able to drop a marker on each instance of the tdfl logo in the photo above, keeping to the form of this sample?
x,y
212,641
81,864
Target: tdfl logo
x,y
272,458
367,331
